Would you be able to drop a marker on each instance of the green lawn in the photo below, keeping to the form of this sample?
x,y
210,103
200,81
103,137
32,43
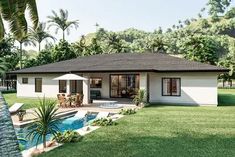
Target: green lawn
x,y
28,102
226,98
163,131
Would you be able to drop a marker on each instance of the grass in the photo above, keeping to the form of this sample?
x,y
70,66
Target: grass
x,y
163,131
226,97
11,98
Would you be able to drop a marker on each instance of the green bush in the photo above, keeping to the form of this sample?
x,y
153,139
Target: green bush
x,y
140,98
68,136
103,122
127,111
8,91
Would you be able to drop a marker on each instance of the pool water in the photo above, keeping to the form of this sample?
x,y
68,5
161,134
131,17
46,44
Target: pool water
x,y
65,124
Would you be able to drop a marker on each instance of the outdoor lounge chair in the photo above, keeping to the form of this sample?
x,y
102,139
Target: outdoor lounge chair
x,y
102,115
77,116
14,108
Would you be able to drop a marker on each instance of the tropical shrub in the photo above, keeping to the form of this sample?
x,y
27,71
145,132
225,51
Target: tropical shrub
x,y
68,136
140,98
127,111
103,122
46,121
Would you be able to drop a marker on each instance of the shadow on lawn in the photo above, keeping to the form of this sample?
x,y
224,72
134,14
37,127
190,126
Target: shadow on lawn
x,y
146,146
226,100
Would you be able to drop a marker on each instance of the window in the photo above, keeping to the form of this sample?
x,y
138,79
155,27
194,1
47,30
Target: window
x,y
95,82
171,87
24,80
38,84
62,86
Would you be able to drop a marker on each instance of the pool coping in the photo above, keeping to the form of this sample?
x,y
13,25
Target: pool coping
x,y
23,124
82,131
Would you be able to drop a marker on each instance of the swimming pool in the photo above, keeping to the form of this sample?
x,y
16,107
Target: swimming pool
x,y
70,124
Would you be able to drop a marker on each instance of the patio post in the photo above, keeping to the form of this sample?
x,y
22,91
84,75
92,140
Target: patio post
x,y
68,87
86,90
144,84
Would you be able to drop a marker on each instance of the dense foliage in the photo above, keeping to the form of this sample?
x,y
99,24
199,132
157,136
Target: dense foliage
x,y
127,111
207,40
69,136
103,122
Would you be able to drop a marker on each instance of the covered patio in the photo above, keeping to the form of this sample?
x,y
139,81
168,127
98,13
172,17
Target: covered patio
x,y
103,87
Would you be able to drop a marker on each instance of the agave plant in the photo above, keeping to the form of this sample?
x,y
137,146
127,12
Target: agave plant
x,y
140,98
46,122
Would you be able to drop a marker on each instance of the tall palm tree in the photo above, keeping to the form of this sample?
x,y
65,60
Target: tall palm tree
x,y
14,13
39,34
46,122
26,40
61,22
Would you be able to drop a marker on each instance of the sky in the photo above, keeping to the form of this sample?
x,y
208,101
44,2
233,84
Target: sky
x,y
116,15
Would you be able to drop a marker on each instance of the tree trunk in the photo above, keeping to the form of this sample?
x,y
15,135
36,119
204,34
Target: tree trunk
x,y
44,141
63,35
39,46
21,54
8,140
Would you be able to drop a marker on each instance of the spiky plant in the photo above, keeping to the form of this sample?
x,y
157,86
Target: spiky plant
x,y
46,121
140,98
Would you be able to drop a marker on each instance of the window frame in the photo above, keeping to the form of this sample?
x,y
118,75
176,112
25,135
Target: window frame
x,y
171,78
36,85
96,78
23,80
65,86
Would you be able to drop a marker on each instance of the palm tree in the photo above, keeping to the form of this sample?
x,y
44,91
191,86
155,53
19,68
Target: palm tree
x,y
46,122
39,34
14,13
25,39
61,22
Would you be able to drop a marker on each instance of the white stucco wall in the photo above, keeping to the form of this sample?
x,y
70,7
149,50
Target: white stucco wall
x,y
49,87
196,88
104,90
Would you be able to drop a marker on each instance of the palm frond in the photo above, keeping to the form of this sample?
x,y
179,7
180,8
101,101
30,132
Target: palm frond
x,y
32,6
2,29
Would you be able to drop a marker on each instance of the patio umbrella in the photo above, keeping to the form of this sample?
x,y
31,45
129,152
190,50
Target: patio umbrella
x,y
70,77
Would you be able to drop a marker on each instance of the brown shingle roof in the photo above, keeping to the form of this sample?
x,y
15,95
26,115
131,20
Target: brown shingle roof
x,y
155,62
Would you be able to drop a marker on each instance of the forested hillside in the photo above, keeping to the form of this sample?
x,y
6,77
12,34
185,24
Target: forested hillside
x,y
207,38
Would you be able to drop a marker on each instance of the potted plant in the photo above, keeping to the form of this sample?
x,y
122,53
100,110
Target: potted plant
x,y
21,114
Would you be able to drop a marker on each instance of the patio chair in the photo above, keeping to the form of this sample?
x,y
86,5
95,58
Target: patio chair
x,y
15,107
62,101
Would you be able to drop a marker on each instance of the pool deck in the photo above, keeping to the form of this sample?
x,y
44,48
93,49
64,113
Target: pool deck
x,y
62,112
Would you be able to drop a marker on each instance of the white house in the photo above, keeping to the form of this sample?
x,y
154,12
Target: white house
x,y
166,79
